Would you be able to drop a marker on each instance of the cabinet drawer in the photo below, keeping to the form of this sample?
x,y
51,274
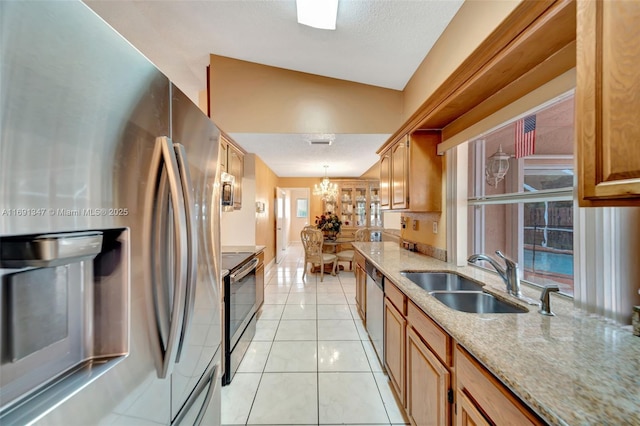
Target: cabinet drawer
x,y
488,393
395,296
359,259
437,339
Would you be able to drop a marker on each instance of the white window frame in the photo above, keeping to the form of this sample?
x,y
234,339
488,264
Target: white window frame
x,y
606,246
458,201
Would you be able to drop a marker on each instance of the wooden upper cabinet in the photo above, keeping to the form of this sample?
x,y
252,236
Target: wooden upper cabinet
x,y
400,174
411,173
425,172
235,165
232,162
608,103
385,179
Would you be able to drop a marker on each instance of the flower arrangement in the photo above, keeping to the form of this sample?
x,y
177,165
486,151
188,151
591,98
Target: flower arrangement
x,y
328,222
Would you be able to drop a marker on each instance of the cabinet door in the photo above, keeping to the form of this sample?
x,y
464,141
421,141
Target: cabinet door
x,y
394,346
425,172
428,384
399,175
375,216
361,204
467,413
361,286
236,168
607,103
385,180
489,395
345,202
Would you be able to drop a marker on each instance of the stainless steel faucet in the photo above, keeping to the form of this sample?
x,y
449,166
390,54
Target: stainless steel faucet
x,y
545,307
509,274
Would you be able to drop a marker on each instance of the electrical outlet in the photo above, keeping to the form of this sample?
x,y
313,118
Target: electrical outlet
x,y
435,227
414,225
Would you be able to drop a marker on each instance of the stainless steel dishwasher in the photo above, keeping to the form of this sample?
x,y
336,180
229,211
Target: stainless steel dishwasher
x,y
375,309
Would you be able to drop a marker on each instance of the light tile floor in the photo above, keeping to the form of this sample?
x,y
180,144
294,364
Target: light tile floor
x,y
311,361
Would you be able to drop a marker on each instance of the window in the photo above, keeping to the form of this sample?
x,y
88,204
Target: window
x,y
302,207
528,212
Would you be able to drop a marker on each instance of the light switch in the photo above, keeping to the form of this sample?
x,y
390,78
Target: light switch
x,y
435,227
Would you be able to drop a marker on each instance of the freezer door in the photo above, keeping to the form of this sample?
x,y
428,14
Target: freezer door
x,y
203,406
197,138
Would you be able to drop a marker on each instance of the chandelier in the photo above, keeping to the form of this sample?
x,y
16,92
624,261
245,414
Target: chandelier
x,y
326,190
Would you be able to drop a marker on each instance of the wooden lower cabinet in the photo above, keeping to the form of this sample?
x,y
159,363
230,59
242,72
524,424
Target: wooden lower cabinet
x,y
487,395
467,413
428,384
361,285
260,281
395,331
422,360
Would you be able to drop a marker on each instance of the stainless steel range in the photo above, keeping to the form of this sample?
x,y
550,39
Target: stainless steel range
x,y
239,308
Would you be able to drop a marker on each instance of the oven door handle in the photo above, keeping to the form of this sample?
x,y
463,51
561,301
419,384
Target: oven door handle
x,y
192,244
246,270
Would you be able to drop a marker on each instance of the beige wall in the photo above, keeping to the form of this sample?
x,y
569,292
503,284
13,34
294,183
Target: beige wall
x,y
253,98
202,101
315,203
265,225
475,20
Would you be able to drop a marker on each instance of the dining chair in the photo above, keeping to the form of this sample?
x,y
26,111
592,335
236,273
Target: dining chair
x,y
312,240
347,255
362,235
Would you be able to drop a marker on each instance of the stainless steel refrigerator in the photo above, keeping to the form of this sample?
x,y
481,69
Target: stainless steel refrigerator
x,y
109,230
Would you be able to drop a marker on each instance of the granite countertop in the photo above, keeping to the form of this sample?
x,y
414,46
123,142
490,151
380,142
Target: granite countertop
x,y
242,249
572,368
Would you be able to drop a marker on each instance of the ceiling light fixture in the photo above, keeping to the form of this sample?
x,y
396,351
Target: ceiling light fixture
x,y
320,14
326,190
320,142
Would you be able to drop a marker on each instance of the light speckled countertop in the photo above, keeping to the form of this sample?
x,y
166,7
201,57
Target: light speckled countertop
x,y
242,249
572,369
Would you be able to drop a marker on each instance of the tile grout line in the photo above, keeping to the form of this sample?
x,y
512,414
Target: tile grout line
x,y
317,360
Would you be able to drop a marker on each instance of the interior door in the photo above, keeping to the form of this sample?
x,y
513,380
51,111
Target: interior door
x,y
281,245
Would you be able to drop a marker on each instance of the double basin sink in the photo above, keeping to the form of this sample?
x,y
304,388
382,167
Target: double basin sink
x,y
460,293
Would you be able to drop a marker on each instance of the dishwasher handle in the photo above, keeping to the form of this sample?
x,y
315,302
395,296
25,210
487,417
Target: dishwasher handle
x,y
375,275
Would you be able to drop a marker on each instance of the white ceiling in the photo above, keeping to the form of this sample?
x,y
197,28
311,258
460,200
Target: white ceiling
x,y
377,42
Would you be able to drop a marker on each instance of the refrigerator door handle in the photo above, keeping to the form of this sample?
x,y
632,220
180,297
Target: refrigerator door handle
x,y
210,382
215,381
192,243
164,157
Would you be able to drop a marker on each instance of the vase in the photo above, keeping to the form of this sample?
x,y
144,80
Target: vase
x,y
330,235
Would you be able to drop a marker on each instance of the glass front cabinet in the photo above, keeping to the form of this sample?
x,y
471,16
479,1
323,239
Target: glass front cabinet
x,y
358,203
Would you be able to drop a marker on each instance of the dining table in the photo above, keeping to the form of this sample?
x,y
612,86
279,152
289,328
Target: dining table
x,y
332,246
